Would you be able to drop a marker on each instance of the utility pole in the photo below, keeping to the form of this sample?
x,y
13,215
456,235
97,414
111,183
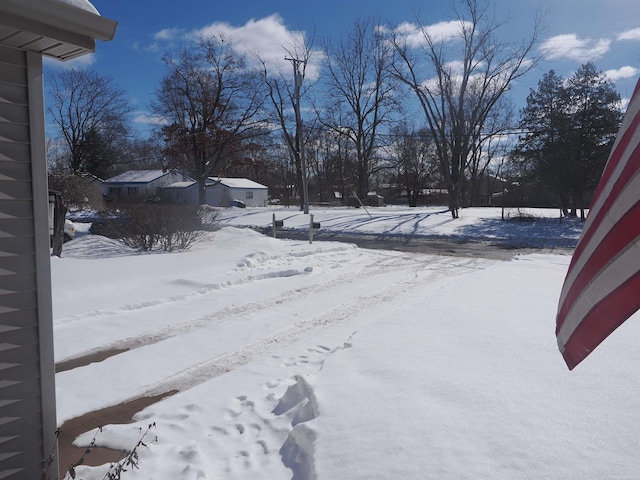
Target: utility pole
x,y
297,78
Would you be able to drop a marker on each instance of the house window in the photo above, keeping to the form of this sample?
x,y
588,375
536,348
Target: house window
x,y
132,190
114,191
249,195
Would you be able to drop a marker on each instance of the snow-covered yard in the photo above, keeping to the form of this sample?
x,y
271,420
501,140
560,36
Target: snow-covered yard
x,y
326,361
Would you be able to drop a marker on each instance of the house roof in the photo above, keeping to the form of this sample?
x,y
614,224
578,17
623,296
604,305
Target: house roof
x,y
63,29
138,176
237,182
182,184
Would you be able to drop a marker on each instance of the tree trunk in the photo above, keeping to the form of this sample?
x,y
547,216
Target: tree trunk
x,y
59,215
202,191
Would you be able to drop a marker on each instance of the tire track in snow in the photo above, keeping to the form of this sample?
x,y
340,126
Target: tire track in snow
x,y
250,263
376,267
238,357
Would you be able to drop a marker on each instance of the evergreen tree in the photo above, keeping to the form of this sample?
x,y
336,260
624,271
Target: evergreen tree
x,y
569,128
542,148
95,154
594,106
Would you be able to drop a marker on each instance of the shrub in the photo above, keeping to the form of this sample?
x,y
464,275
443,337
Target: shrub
x,y
146,226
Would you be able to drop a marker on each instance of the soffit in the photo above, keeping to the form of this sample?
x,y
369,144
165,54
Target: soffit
x,y
52,28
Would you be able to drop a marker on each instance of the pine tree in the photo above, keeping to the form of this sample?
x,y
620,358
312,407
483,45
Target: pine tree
x,y
568,130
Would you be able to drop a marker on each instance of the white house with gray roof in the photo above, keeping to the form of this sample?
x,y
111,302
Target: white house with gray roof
x,y
140,183
222,192
182,193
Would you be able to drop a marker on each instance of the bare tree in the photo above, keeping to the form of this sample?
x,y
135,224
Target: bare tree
x,y
86,104
362,95
415,160
286,90
490,147
458,93
284,170
213,105
78,191
323,158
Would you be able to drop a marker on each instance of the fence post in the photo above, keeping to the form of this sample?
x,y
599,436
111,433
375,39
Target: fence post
x,y
276,224
312,226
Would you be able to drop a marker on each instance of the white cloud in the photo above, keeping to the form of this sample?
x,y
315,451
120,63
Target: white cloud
x,y
624,104
411,33
622,73
414,35
571,47
168,34
455,67
633,34
268,37
447,30
147,119
152,47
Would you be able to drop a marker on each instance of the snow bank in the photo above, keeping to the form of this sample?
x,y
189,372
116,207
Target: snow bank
x,y
362,365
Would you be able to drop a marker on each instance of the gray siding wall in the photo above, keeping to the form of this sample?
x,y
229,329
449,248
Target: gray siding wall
x,y
27,395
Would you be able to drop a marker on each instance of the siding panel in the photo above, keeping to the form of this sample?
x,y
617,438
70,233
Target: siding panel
x,y
14,113
13,94
14,152
15,171
14,74
21,407
13,132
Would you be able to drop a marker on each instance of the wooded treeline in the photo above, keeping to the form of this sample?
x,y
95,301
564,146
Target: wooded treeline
x,y
412,117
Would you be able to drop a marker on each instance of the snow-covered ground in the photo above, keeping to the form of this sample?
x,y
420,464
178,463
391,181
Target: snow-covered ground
x,y
326,361
431,222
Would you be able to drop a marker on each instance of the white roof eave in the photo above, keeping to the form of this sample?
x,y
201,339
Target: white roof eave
x,y
56,21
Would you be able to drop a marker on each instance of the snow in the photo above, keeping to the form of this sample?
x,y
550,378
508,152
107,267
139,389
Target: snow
x,y
237,182
182,184
326,361
430,222
138,176
81,4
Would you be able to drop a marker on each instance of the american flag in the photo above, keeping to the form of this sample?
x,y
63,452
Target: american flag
x,y
602,287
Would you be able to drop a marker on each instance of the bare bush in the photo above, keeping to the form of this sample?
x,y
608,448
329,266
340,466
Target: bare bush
x,y
209,217
147,226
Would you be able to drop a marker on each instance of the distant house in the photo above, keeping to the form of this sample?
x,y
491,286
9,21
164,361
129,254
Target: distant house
x,y
489,190
94,181
221,192
182,193
140,183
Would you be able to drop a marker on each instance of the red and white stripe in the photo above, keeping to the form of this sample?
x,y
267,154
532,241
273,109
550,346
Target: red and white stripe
x,y
602,287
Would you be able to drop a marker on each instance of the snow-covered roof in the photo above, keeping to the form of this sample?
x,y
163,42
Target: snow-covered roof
x,y
181,184
237,182
63,29
138,176
81,4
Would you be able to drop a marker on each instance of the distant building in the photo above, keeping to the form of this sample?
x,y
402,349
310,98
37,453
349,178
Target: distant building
x,y
140,183
182,193
175,188
222,192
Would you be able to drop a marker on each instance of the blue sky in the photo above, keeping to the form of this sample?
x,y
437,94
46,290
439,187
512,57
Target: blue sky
x,y
606,32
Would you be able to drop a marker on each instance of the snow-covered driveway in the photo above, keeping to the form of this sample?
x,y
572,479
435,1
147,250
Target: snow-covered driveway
x,y
194,316
327,361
